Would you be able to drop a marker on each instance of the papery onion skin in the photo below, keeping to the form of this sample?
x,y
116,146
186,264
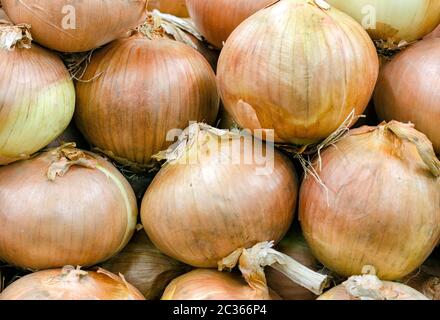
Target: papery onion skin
x,y
396,20
382,207
82,218
201,212
57,284
407,89
174,7
148,88
217,19
144,266
37,101
205,284
76,27
290,79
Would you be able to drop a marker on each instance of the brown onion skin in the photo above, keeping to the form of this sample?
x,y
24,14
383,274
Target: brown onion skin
x,y
148,88
407,89
295,246
83,218
267,79
98,22
53,285
383,206
174,7
217,19
205,284
200,213
144,266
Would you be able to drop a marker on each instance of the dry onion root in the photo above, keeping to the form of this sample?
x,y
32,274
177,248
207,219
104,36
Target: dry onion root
x,y
37,97
144,266
64,207
71,283
298,67
77,27
380,204
174,7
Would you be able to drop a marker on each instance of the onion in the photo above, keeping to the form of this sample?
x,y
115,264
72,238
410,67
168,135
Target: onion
x,y
278,71
396,20
64,207
37,97
71,134
370,287
71,284
213,198
407,89
144,266
217,19
377,202
75,27
143,88
174,7
295,246
205,284
435,33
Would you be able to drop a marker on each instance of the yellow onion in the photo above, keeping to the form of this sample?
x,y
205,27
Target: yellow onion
x,y
64,207
37,97
206,284
370,287
295,246
79,26
144,266
407,89
377,202
71,284
299,68
142,89
217,19
174,7
395,20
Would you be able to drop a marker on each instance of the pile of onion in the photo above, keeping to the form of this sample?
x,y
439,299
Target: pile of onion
x,y
64,207
393,20
140,88
218,193
407,89
217,19
298,67
377,202
71,284
37,97
174,7
82,26
144,266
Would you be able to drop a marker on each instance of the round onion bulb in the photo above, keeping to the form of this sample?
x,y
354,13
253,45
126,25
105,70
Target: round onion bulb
x,y
37,96
64,207
139,90
407,89
79,26
393,20
217,19
71,284
377,202
299,68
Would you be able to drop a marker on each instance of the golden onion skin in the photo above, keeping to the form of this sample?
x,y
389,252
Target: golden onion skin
x,y
175,7
382,207
37,101
82,218
147,87
217,19
205,284
79,26
200,213
59,284
396,20
278,71
407,89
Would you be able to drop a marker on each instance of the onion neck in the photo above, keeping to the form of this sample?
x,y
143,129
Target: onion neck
x,y
14,36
